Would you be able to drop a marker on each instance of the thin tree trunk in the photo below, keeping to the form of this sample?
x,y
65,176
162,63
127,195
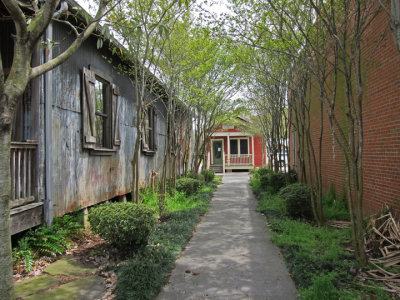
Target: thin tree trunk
x,y
6,279
136,153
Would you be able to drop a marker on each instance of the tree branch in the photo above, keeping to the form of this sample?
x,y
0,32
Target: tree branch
x,y
39,70
68,24
17,16
384,7
41,20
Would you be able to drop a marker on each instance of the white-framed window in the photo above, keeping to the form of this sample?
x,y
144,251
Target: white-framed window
x,y
239,146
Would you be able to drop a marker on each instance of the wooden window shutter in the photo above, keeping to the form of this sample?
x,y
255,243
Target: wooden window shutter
x,y
88,109
155,132
115,116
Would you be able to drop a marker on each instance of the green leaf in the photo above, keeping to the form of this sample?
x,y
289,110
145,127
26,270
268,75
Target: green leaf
x,y
99,43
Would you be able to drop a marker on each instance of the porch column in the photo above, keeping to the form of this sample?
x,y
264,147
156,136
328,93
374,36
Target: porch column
x,y
209,157
229,150
253,151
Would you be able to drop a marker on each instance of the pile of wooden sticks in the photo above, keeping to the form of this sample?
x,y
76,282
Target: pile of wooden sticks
x,y
382,243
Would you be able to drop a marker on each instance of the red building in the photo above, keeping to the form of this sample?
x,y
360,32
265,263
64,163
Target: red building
x,y
231,148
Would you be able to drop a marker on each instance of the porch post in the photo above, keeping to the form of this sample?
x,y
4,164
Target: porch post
x,y
253,151
229,150
209,157
223,156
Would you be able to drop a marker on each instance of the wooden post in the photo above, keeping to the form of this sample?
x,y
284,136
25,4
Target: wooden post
x,y
229,150
253,151
86,223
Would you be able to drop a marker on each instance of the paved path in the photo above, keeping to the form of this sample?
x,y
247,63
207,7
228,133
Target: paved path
x,y
230,255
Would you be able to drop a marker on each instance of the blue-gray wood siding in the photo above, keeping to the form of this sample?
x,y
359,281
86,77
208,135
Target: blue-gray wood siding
x,y
79,178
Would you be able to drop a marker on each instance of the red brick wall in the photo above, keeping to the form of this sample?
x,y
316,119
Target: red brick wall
x,y
258,147
381,115
382,120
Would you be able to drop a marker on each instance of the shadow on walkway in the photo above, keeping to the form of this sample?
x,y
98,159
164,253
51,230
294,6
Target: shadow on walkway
x,y
230,255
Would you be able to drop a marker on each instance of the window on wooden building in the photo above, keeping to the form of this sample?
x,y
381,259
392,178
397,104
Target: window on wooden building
x,y
239,146
244,146
149,138
102,103
100,117
234,146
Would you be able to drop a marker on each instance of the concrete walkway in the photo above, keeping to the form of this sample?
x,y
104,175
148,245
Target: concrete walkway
x,y
230,255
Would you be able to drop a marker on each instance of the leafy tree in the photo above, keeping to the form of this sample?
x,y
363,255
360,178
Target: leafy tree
x,y
144,26
335,43
324,40
208,83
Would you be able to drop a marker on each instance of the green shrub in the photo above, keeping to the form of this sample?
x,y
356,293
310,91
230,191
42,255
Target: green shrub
x,y
143,276
292,176
268,180
255,185
298,201
277,181
264,180
194,175
189,186
264,171
124,225
208,175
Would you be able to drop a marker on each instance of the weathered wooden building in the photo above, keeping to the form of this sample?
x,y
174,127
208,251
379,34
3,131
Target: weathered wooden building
x,y
74,132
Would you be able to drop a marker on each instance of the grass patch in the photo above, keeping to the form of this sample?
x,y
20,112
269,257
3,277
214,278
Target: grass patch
x,y
335,207
143,276
271,205
179,201
315,256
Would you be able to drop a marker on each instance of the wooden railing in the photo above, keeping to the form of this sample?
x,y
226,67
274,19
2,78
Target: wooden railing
x,y
22,172
240,159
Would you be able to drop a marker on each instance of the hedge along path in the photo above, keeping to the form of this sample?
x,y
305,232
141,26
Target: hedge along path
x,y
143,276
230,255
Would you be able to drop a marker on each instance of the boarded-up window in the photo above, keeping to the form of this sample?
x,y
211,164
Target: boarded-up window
x,y
99,112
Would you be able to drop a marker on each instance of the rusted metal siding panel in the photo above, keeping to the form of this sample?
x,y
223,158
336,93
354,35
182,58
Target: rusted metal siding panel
x,y
81,179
